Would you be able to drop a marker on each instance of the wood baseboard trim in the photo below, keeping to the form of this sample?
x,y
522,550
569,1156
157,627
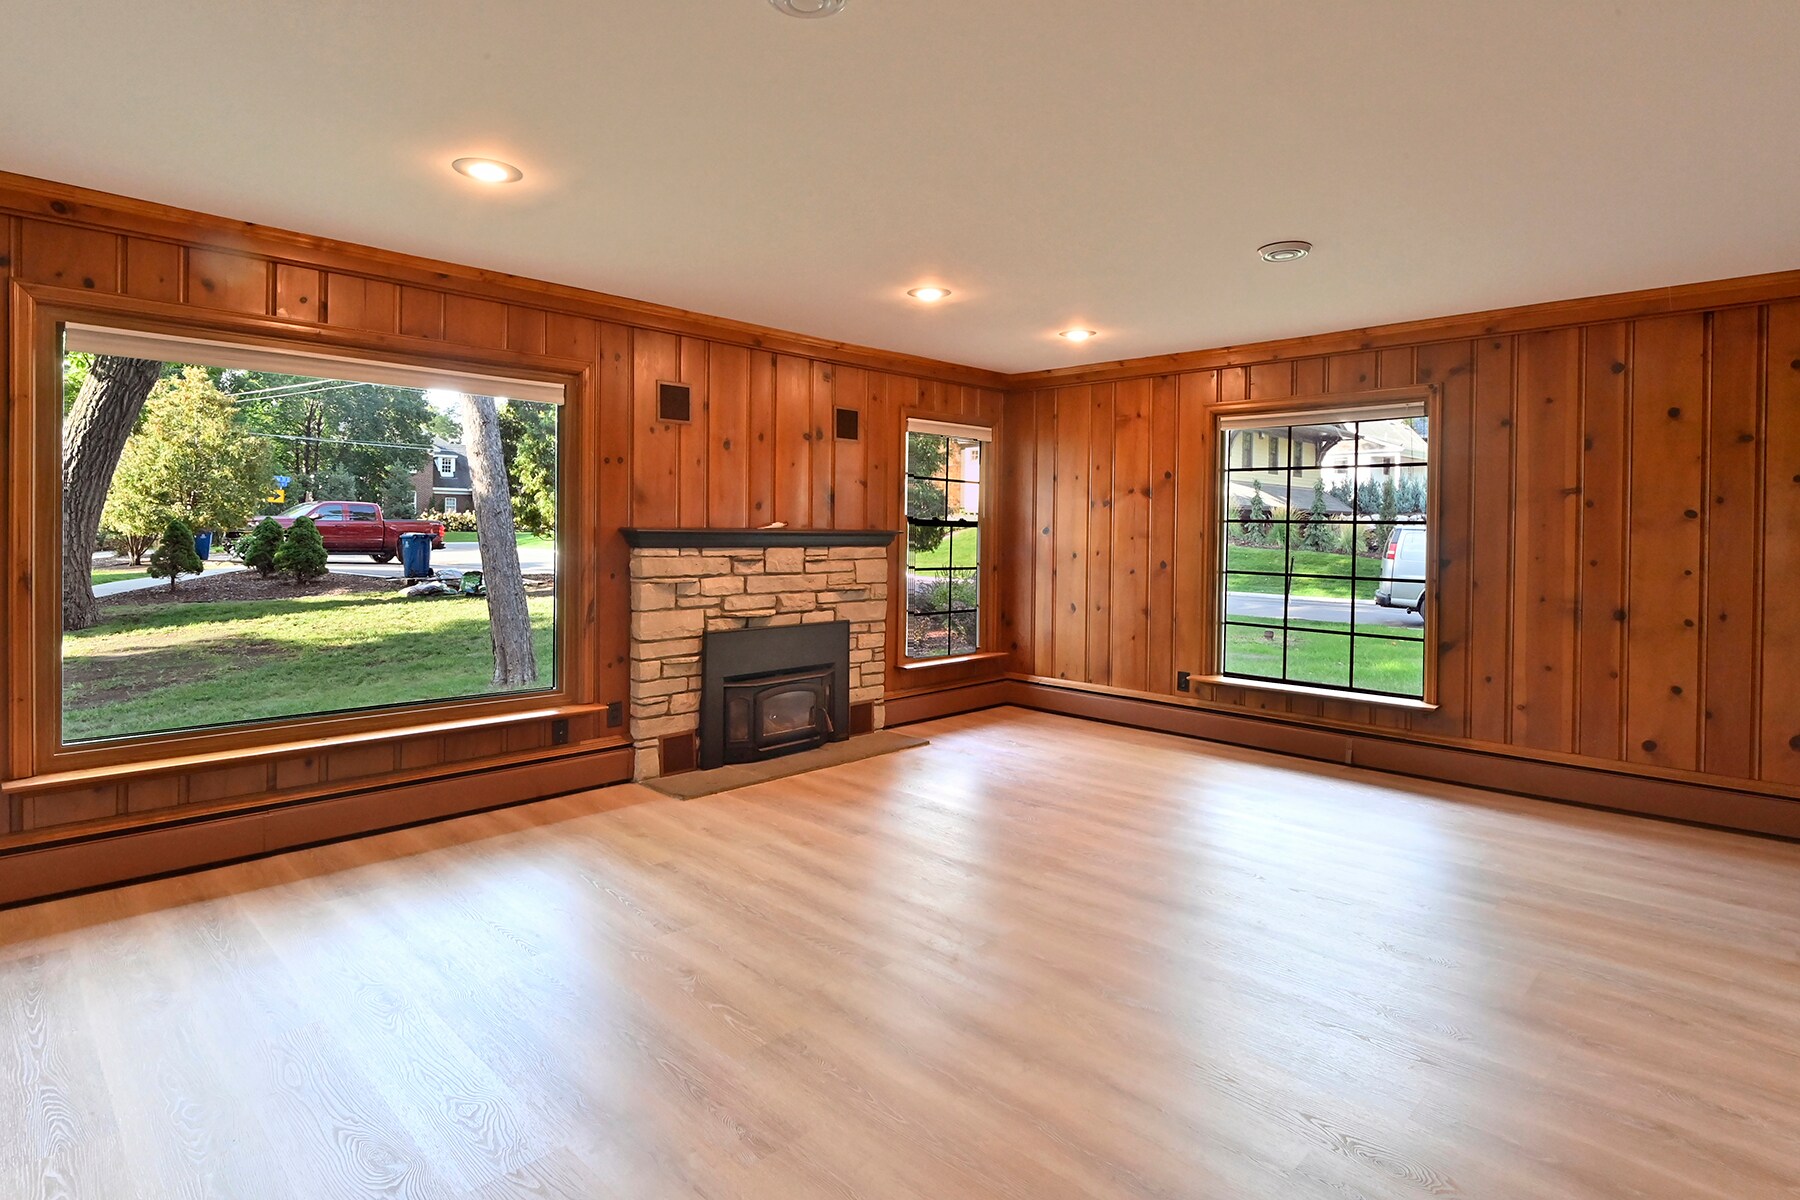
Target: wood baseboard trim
x,y
946,701
126,855
1697,804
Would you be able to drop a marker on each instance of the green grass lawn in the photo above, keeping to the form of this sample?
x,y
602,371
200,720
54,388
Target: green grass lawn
x,y
1319,653
160,667
101,577
968,550
524,539
1367,572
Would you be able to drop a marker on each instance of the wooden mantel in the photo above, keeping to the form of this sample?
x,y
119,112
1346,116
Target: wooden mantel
x,y
739,539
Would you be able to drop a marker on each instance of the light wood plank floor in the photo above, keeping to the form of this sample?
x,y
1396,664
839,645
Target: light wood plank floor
x,y
1039,958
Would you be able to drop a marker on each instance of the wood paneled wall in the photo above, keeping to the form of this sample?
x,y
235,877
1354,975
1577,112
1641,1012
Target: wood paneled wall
x,y
1621,501
1620,536
759,448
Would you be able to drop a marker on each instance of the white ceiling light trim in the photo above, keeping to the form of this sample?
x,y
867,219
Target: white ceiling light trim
x,y
487,170
808,8
1280,252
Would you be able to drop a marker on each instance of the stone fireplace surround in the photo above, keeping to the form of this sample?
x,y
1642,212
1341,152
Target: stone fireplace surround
x,y
688,582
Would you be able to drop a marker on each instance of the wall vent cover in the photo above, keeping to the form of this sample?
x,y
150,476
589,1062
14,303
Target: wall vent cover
x,y
849,424
674,402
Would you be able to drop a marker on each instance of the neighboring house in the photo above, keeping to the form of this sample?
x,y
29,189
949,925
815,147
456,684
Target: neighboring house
x,y
1261,458
444,484
1384,446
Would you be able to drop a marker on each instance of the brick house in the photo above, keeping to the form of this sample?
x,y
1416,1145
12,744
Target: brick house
x,y
444,484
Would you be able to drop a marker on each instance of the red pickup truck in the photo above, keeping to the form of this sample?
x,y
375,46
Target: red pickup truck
x,y
352,528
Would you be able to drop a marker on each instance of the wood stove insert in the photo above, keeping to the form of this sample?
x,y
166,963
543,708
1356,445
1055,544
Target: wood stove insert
x,y
773,690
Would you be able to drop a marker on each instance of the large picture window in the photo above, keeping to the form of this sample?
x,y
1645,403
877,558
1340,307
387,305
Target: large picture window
x,y
1325,563
255,535
943,538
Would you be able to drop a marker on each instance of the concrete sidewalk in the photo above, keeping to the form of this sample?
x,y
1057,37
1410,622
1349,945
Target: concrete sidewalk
x,y
138,585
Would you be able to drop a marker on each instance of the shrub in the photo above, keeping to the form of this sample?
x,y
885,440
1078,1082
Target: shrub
x,y
131,545
934,592
302,551
1256,523
174,556
1411,494
1317,533
260,546
1389,509
456,522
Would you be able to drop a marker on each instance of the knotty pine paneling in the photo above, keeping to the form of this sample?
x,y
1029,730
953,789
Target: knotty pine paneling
x,y
1779,624
1662,629
1732,531
1490,481
1605,539
222,279
761,444
13,760
1547,493
1619,526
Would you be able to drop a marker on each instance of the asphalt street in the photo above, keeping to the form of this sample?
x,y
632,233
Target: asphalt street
x,y
1318,608
456,556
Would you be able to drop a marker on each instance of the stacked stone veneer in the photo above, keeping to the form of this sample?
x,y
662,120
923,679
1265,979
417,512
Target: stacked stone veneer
x,y
678,595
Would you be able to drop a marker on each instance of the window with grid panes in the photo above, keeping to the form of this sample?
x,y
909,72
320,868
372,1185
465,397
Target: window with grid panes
x,y
943,538
1325,548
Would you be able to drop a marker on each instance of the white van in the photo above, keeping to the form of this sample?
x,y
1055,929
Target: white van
x,y
1403,569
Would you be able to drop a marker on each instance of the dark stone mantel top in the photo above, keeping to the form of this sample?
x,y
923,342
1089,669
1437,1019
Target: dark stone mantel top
x,y
742,539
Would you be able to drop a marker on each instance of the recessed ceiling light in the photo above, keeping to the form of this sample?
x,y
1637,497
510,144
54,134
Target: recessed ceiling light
x,y
930,295
487,170
808,8
1077,335
1284,251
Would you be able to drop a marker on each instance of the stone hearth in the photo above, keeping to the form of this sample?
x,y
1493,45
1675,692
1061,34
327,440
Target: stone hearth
x,y
681,592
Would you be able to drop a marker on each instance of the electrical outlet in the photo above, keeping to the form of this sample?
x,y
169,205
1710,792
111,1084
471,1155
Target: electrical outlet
x,y
1181,681
559,732
615,714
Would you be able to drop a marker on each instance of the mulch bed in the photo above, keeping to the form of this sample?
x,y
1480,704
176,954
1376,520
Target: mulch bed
x,y
248,585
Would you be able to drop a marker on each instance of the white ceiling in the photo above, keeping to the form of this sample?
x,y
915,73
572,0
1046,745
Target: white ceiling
x,y
1107,164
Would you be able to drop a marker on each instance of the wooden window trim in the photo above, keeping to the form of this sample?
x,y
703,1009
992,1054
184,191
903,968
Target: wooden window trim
x,y
1431,397
33,482
985,628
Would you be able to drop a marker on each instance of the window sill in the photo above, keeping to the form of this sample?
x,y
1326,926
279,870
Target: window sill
x,y
919,664
1317,693
149,766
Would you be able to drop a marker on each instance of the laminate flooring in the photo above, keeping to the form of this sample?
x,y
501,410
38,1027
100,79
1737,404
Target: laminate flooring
x,y
1039,958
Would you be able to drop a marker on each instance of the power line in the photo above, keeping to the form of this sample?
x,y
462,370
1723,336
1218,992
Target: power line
x,y
292,437
291,390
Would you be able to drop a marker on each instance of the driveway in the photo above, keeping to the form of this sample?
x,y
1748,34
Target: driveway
x,y
1318,608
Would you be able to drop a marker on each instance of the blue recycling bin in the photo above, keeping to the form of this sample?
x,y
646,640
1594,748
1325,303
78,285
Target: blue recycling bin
x,y
203,545
415,554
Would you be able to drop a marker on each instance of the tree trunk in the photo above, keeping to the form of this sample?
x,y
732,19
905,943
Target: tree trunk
x,y
509,619
312,429
94,435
